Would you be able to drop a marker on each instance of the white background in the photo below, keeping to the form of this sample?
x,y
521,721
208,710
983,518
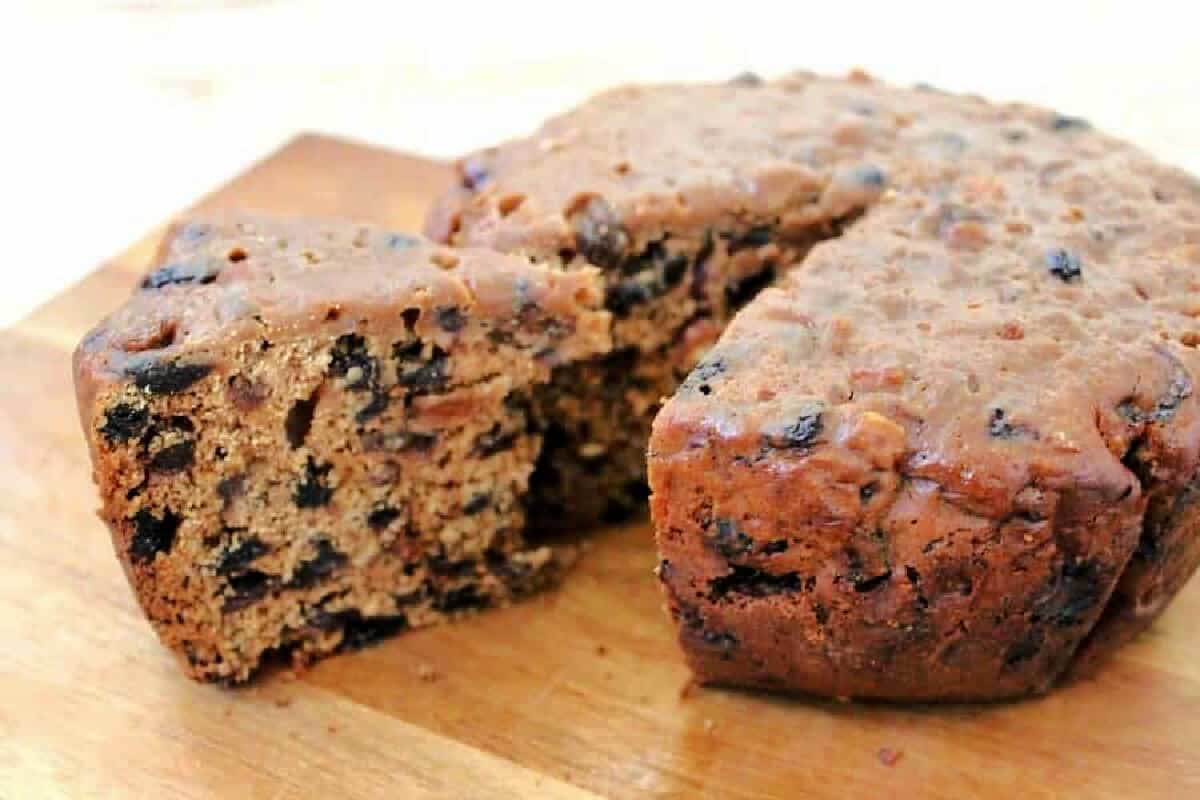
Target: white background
x,y
118,114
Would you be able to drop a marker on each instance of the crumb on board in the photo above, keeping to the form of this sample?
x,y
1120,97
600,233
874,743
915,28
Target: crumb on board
x,y
688,689
709,726
331,728
283,702
601,650
889,756
427,673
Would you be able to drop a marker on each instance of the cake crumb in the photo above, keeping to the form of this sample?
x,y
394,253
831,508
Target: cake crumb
x,y
601,650
889,756
427,673
709,726
331,728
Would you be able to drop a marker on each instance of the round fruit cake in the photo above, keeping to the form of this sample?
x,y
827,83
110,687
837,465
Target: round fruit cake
x,y
952,453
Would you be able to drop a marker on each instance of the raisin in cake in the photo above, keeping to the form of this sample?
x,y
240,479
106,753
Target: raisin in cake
x,y
954,453
309,435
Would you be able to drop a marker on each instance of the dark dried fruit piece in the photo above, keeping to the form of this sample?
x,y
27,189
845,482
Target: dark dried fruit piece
x,y
350,352
1083,586
1000,428
124,421
174,458
726,538
797,435
317,568
1062,122
167,377
299,420
430,376
1064,265
1167,405
774,547
194,272
870,584
747,581
359,632
754,236
311,491
464,598
478,502
674,268
743,290
620,298
599,236
653,253
242,556
381,517
247,588
406,352
450,318
152,535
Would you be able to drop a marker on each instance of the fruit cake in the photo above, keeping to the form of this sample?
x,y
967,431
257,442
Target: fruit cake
x,y
307,435
953,454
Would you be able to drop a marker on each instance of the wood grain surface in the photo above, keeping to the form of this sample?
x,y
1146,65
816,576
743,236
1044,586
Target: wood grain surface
x,y
578,692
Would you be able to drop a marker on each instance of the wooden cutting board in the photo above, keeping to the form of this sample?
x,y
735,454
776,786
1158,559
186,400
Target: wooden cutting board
x,y
578,692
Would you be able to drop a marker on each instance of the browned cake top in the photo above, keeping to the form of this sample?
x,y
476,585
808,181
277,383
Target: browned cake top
x,y
1019,306
227,278
675,155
